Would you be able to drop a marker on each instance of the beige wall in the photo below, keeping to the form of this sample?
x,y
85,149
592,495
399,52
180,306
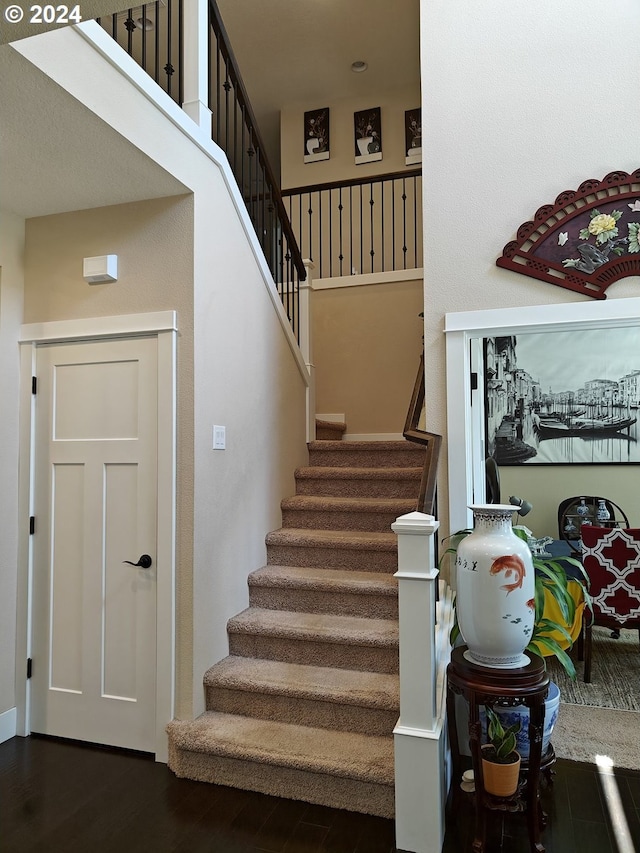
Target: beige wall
x,y
341,164
11,284
248,372
367,345
500,139
154,244
545,487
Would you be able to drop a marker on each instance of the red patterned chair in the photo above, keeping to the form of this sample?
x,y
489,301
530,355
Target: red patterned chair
x,y
611,558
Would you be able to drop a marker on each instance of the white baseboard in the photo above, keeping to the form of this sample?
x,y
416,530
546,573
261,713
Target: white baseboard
x,y
8,725
372,436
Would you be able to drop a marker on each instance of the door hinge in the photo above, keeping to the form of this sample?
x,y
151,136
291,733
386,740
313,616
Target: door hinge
x,y
29,667
34,385
32,524
474,381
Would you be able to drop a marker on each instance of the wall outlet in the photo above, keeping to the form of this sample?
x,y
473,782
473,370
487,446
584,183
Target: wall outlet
x,y
219,437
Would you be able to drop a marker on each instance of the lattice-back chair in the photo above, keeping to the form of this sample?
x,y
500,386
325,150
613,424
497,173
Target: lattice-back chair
x,y
611,558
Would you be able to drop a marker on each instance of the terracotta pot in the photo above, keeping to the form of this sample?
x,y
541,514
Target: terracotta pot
x,y
495,590
501,780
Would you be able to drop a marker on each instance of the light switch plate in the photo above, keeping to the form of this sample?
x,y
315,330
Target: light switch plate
x,y
219,437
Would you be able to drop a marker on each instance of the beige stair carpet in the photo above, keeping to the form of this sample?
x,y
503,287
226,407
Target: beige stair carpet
x,y
305,704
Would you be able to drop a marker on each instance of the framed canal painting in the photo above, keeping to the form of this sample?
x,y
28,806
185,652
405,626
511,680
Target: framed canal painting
x,y
563,397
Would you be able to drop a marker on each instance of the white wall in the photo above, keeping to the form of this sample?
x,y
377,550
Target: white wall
x,y
11,287
249,375
515,110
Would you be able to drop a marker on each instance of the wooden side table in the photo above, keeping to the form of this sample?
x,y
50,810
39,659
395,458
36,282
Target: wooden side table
x,y
479,685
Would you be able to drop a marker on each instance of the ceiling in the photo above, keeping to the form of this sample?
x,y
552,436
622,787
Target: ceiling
x,y
300,52
56,155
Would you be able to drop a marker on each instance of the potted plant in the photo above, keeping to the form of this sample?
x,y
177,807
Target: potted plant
x,y
500,759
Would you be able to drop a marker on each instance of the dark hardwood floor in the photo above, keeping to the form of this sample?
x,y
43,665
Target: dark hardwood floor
x,y
60,797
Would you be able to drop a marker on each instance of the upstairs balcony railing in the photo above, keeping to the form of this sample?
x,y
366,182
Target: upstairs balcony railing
x,y
359,226
153,35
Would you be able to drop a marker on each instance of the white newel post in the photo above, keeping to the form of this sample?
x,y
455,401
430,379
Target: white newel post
x,y
420,734
196,63
306,344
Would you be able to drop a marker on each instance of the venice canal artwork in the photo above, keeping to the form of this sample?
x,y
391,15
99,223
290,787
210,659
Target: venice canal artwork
x,y
563,397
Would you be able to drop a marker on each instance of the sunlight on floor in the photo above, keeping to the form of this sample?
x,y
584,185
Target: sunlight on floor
x,y
614,804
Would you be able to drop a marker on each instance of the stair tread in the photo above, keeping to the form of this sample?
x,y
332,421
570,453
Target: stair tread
x,y
318,627
399,445
367,583
368,758
322,683
304,536
329,472
319,503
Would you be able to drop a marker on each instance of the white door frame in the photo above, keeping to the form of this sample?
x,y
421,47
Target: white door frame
x,y
163,325
465,459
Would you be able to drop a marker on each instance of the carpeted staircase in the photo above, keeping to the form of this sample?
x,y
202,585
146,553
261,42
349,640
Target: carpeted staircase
x,y
305,704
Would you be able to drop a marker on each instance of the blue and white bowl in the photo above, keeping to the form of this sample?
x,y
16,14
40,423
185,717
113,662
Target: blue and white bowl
x,y
510,716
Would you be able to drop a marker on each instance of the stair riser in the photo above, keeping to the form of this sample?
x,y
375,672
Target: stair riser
x,y
301,711
322,601
358,488
292,650
364,458
349,559
328,434
375,522
320,788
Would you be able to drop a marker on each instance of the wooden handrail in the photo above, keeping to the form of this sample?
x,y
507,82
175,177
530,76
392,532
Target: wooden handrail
x,y
353,182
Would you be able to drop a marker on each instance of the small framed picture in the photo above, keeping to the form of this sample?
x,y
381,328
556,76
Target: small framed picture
x,y
316,135
413,136
367,127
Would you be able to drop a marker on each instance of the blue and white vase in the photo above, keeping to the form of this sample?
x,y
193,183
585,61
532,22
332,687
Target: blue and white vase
x,y
520,713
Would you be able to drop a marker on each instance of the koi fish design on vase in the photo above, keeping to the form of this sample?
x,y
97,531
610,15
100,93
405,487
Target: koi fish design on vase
x,y
495,590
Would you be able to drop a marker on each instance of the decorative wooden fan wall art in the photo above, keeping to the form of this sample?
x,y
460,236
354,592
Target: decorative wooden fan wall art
x,y
586,240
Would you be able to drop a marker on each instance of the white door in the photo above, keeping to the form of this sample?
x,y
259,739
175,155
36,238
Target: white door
x,y
93,614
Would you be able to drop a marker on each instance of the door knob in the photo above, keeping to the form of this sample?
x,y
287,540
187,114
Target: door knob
x,y
144,562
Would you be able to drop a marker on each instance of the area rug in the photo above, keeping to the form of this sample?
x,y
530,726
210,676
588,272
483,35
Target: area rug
x,y
615,673
603,717
583,732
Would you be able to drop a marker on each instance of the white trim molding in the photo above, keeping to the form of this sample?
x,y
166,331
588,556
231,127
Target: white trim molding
x,y
358,280
8,724
466,462
163,325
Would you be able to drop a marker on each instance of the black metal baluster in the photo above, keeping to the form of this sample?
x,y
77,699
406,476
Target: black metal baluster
x,y
330,235
361,270
310,228
393,226
415,222
156,76
404,223
350,230
168,68
180,52
341,255
371,203
382,226
320,246
130,26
